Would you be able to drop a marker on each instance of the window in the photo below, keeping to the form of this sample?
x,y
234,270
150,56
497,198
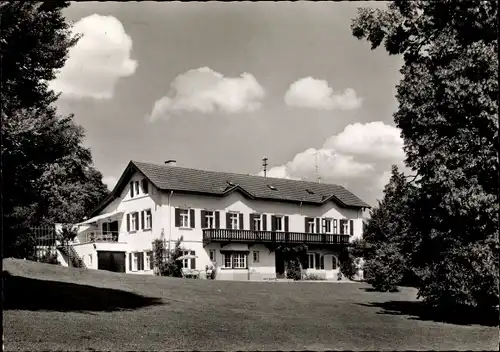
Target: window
x,y
136,183
189,263
344,227
211,254
135,263
257,222
239,260
146,219
311,225
279,223
255,256
234,260
184,214
149,263
209,220
335,229
134,222
144,183
233,221
327,225
311,260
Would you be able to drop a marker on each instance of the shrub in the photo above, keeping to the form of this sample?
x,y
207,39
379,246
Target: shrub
x,y
385,271
314,277
48,258
294,269
347,265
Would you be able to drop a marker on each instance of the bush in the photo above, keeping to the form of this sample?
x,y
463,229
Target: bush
x,y
385,271
314,277
48,258
294,269
347,265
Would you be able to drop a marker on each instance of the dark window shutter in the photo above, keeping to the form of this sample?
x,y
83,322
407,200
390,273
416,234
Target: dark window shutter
x,y
341,225
191,217
177,217
136,215
351,227
193,260
306,225
141,261
203,220
252,224
264,222
217,220
273,223
334,262
241,222
151,259
131,189
142,219
128,222
145,185
228,221
286,223
318,225
322,262
104,227
151,217
316,260
130,261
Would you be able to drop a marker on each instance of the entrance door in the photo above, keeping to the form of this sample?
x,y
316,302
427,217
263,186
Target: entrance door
x,y
280,265
111,261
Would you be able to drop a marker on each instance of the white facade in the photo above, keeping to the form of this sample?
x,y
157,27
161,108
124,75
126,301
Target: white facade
x,y
162,207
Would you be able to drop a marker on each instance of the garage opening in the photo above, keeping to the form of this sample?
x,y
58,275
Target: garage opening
x,y
111,261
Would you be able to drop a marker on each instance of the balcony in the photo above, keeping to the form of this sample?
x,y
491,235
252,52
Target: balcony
x,y
98,236
249,236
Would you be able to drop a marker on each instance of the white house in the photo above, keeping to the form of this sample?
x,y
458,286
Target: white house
x,y
233,220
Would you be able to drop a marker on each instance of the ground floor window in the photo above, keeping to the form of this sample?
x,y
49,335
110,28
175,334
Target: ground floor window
x,y
311,260
234,260
335,263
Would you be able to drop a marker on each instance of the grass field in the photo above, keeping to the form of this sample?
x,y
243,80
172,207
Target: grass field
x,y
48,307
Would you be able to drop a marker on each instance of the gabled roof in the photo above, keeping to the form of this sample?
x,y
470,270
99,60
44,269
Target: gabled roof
x,y
186,180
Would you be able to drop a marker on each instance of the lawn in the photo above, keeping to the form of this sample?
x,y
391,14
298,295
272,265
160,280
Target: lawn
x,y
48,307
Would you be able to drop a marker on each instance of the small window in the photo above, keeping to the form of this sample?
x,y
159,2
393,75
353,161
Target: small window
x,y
211,254
184,214
136,183
272,187
255,256
134,221
147,219
144,186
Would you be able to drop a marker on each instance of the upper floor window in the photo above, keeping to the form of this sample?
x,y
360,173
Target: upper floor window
x,y
310,225
279,223
147,219
133,222
134,188
184,217
144,184
209,220
233,221
326,225
257,222
344,226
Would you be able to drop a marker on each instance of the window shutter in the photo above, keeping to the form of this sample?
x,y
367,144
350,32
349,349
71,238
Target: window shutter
x,y
306,225
341,225
177,217
142,219
151,258
141,260
351,227
322,262
191,218
252,224
316,261
193,261
241,222
334,262
128,222
318,225
145,185
203,221
228,221
136,221
286,223
273,223
217,220
264,222
130,261
151,217
131,189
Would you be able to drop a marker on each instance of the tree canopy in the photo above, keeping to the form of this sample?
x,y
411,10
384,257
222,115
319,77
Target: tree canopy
x,y
48,175
448,116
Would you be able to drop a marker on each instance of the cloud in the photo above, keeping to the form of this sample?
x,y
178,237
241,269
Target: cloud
x,y
317,94
363,169
205,90
99,59
109,181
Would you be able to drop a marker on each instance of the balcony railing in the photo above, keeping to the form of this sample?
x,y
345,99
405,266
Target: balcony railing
x,y
249,236
100,236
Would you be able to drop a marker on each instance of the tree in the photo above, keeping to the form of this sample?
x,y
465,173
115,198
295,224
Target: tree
x,y
448,119
47,175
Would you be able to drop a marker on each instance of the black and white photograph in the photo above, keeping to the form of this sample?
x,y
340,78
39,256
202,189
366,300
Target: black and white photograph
x,y
250,176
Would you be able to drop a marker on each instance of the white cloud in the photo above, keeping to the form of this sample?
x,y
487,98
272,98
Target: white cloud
x,y
317,94
109,181
99,59
375,140
205,90
364,170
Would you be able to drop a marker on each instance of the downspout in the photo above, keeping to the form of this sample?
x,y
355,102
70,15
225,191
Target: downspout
x,y
169,223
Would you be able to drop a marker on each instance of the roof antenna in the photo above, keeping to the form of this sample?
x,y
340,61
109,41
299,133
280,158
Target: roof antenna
x,y
318,177
264,164
171,162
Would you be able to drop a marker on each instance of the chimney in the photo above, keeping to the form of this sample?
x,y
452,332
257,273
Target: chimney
x,y
171,162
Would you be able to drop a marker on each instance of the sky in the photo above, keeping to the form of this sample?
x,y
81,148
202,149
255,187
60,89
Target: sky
x,y
218,86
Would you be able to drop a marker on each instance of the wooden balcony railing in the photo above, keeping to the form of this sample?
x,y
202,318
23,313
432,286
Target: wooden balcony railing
x,y
99,236
249,236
